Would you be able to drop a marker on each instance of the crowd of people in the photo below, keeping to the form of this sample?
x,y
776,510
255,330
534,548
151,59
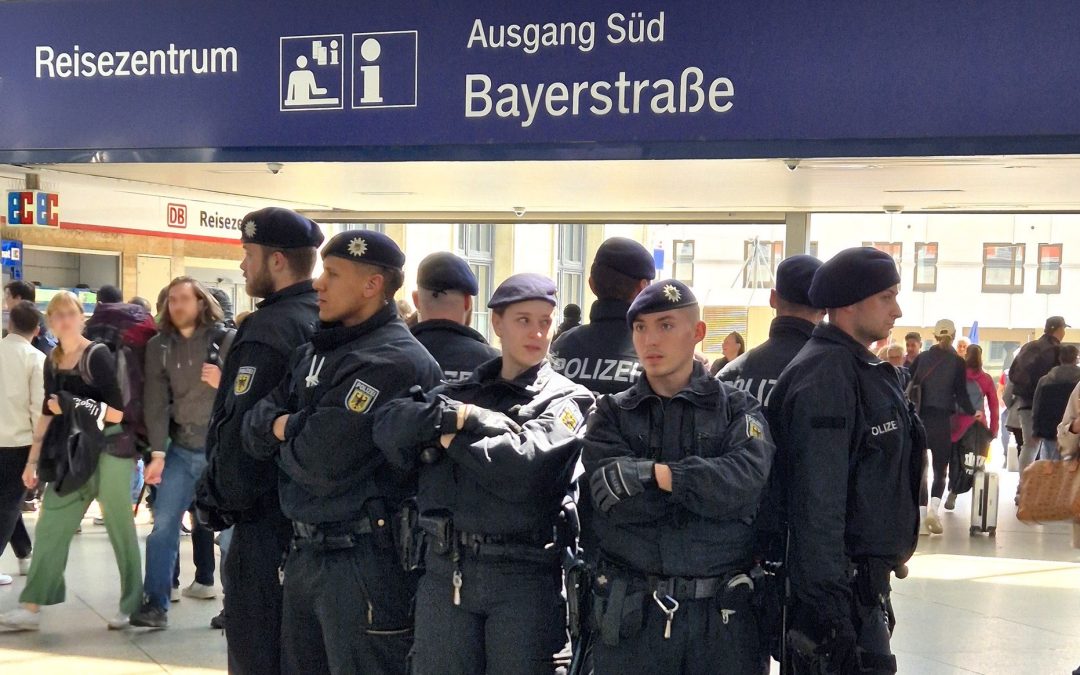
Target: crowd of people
x,y
401,497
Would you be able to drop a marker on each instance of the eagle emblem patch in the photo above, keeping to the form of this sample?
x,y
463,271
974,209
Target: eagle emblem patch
x,y
361,396
244,378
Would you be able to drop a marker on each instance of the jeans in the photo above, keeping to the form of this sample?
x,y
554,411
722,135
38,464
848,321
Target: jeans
x,y
1048,449
12,463
224,541
183,467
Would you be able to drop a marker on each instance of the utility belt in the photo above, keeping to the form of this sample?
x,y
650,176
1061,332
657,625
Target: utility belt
x,y
440,537
621,598
324,537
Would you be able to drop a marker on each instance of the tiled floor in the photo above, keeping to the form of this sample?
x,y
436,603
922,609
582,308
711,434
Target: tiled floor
x,y
1010,604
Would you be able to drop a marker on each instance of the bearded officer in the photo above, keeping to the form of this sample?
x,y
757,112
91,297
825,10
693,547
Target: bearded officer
x,y
279,254
446,290
600,355
756,371
852,452
347,599
676,466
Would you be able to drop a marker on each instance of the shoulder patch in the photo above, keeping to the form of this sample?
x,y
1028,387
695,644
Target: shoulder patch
x,y
570,416
754,428
244,377
361,396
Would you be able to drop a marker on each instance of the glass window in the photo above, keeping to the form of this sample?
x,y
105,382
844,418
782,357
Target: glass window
x,y
1049,269
926,257
475,242
1003,268
571,266
683,261
760,259
893,248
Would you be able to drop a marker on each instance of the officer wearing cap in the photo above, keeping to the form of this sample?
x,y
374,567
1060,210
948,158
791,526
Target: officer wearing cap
x,y
489,502
279,254
675,469
852,452
600,355
756,371
347,600
446,287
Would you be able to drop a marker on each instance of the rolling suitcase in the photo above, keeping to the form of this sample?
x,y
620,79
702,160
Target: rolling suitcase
x,y
984,503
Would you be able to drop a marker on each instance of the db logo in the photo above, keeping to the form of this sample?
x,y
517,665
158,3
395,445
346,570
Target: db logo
x,y
177,215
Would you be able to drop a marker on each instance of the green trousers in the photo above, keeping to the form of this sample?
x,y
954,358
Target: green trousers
x,y
60,517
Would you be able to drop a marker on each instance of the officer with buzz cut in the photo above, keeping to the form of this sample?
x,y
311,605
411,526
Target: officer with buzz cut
x,y
852,452
675,468
446,288
756,371
600,355
280,248
347,598
490,500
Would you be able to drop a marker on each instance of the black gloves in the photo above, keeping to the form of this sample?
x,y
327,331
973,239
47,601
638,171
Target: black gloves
x,y
619,480
479,421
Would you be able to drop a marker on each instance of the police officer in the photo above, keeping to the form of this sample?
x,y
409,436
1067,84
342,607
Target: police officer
x,y
756,371
600,355
446,287
853,456
676,466
279,254
490,599
347,600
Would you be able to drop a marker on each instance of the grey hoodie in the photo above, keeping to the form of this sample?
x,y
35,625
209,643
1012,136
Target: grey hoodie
x,y
177,403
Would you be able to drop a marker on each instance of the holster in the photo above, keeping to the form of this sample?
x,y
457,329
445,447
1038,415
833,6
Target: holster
x,y
410,539
438,533
579,579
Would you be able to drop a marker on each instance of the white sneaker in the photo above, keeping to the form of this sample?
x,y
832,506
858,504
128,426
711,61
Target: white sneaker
x,y
24,566
199,591
20,619
119,622
933,522
5,580
174,595
924,531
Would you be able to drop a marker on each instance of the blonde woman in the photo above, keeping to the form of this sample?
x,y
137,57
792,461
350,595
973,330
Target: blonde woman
x,y
110,483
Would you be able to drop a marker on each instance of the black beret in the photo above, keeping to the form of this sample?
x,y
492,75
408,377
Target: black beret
x,y
365,246
522,287
794,276
280,228
852,275
660,297
627,257
440,272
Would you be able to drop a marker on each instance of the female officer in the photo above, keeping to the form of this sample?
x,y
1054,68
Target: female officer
x,y
507,442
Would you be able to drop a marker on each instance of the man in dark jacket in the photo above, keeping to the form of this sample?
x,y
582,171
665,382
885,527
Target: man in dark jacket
x,y
15,291
279,255
756,371
1051,398
347,601
600,356
852,453
509,438
446,289
676,466
1034,360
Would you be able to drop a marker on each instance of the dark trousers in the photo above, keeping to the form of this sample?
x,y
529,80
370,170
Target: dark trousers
x,y
345,611
712,635
511,620
253,601
202,554
874,636
12,463
938,437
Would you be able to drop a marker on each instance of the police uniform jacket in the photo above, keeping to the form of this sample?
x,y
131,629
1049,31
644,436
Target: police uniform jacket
x,y
599,356
329,466
853,452
458,349
756,371
256,363
716,442
512,484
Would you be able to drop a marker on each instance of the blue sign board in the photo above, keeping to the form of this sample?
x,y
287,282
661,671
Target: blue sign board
x,y
205,80
11,258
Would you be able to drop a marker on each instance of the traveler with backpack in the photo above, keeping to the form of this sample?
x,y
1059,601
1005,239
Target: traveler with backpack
x,y
183,370
78,368
1034,360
